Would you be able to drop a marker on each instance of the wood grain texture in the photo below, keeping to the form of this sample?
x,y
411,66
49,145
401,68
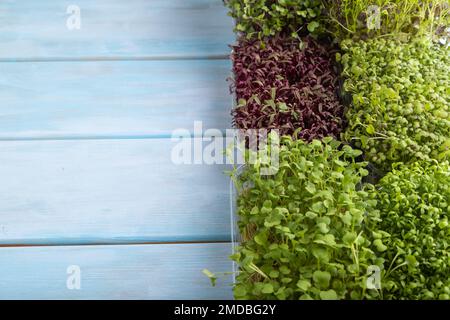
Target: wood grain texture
x,y
120,98
108,191
32,29
116,272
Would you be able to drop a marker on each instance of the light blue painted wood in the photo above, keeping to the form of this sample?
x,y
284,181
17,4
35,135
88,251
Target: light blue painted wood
x,y
116,272
31,29
126,98
108,191
94,167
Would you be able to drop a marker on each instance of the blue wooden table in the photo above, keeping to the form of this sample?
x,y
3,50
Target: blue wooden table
x,y
88,188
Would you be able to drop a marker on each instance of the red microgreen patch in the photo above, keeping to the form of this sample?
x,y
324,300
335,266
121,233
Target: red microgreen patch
x,y
286,84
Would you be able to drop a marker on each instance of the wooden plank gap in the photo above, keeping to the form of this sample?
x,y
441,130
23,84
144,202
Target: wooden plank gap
x,y
102,137
111,244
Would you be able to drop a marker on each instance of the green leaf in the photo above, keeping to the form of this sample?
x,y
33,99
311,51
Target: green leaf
x,y
321,254
353,268
267,288
364,140
242,102
323,227
261,238
349,238
357,71
272,220
212,277
310,187
267,204
347,218
329,239
411,260
304,285
285,270
379,245
318,207
283,107
337,175
370,129
274,274
312,26
328,295
254,211
311,214
240,291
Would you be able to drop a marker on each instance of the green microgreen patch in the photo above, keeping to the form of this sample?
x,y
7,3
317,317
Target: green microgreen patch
x,y
414,206
263,18
363,19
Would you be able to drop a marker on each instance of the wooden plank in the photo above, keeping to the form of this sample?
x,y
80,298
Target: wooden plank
x,y
163,271
32,29
108,191
128,98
